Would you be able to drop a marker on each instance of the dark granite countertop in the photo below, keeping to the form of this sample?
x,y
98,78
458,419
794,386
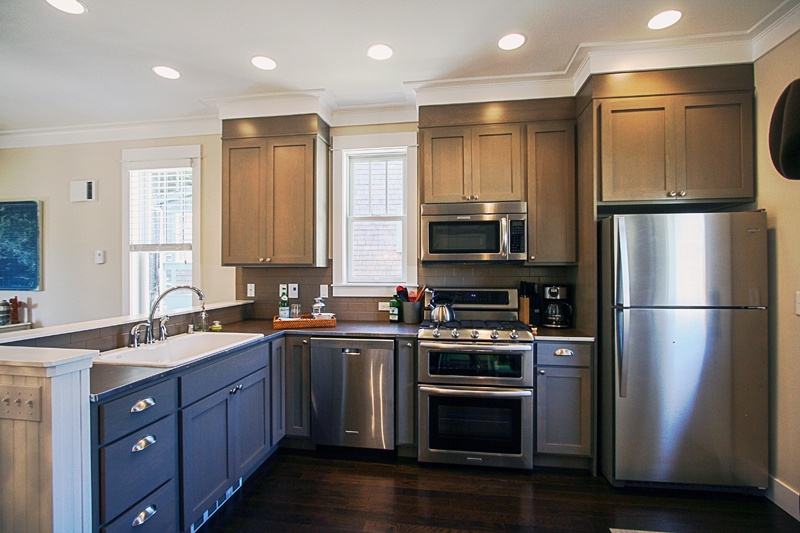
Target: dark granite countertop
x,y
112,380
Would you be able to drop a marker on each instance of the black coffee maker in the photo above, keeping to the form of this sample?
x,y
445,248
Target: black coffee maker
x,y
556,310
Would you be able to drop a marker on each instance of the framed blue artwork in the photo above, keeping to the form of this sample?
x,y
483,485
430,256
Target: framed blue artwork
x,y
21,245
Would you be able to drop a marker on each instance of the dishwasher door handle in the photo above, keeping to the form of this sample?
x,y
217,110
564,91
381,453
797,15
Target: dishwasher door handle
x,y
351,351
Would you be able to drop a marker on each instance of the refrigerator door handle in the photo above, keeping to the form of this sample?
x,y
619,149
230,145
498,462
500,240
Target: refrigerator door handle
x,y
623,269
622,326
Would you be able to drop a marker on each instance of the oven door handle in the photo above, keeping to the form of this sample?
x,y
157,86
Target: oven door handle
x,y
473,393
492,348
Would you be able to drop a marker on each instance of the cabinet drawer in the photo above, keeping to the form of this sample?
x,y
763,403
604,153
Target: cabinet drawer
x,y
564,353
209,379
133,411
135,465
157,513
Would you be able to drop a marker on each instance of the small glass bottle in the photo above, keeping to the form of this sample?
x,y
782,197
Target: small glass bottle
x,y
283,306
319,307
394,309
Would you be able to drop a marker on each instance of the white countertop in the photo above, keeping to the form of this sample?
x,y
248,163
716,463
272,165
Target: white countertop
x,y
43,357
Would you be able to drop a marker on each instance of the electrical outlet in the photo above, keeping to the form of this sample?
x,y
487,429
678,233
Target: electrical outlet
x,y
251,290
294,290
283,288
323,291
383,306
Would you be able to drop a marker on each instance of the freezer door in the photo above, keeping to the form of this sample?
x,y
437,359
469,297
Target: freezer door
x,y
691,396
691,260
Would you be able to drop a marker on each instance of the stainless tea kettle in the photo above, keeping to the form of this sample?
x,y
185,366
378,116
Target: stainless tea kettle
x,y
441,307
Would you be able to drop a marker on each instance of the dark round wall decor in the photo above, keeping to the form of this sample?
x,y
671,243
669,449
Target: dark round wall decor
x,y
784,132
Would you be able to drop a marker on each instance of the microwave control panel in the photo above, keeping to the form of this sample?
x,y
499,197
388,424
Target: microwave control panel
x,y
517,236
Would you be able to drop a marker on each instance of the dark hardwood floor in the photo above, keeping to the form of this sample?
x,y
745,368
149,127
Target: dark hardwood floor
x,y
296,491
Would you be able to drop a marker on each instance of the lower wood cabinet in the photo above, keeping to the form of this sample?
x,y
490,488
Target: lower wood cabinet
x,y
564,398
225,436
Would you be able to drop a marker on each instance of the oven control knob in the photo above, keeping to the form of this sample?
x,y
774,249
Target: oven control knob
x,y
436,333
514,334
474,334
494,335
455,334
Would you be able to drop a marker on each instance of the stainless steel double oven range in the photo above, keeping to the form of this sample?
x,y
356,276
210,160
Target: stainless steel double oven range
x,y
475,383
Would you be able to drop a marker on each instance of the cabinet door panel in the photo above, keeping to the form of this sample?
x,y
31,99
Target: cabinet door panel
x,y
497,163
207,460
636,148
243,201
446,164
278,390
564,405
298,379
253,423
290,200
716,159
551,193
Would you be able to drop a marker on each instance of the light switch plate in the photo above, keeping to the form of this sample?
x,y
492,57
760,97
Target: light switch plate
x,y
323,291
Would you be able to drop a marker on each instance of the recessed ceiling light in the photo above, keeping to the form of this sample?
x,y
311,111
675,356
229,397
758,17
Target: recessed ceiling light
x,y
380,51
512,41
73,7
264,63
664,20
167,72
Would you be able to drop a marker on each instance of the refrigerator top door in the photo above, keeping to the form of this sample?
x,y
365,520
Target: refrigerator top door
x,y
691,260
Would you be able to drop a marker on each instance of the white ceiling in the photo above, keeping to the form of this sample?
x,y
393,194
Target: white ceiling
x,y
60,72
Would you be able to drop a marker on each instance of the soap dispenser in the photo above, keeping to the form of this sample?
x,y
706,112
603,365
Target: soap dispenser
x,y
318,308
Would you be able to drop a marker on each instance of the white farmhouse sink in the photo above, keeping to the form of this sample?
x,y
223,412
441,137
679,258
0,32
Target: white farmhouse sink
x,y
177,350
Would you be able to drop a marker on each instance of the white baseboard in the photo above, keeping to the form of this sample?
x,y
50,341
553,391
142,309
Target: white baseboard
x,y
784,497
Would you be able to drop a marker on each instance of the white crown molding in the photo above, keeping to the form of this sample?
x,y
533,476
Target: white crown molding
x,y
366,115
318,101
775,33
588,59
111,132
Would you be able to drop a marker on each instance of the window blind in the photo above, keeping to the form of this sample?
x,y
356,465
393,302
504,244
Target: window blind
x,y
161,209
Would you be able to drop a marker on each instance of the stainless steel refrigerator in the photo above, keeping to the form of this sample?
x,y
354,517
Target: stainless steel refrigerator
x,y
684,362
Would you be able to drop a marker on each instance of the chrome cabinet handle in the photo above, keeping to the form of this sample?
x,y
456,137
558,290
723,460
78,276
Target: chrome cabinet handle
x,y
143,443
563,352
305,342
468,197
541,372
409,345
144,515
236,389
475,197
141,405
682,193
672,194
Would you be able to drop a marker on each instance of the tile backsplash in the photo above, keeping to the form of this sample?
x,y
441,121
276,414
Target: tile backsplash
x,y
267,280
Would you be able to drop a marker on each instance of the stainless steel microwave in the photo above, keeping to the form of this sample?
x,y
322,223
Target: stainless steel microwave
x,y
473,231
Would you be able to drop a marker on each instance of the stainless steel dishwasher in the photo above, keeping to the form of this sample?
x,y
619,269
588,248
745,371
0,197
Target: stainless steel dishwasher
x,y
352,392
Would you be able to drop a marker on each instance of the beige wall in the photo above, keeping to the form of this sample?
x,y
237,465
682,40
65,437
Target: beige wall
x,y
76,289
781,198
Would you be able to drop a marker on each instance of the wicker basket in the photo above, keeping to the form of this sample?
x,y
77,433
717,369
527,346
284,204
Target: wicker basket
x,y
305,321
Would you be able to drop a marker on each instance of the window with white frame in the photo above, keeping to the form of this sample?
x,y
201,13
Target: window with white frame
x,y
375,206
161,238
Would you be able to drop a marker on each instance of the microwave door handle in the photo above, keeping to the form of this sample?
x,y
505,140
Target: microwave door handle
x,y
504,237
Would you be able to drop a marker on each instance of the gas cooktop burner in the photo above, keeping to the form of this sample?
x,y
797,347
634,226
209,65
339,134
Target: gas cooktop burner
x,y
478,330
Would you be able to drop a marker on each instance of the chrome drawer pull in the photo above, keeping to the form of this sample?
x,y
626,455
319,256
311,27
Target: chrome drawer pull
x,y
141,405
564,351
145,515
144,442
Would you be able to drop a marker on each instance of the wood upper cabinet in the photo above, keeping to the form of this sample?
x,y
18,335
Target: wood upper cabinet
x,y
274,194
677,147
472,163
551,192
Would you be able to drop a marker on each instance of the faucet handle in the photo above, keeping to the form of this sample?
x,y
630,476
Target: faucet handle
x,y
162,327
135,334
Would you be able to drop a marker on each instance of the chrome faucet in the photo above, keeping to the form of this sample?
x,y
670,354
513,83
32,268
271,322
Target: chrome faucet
x,y
149,336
